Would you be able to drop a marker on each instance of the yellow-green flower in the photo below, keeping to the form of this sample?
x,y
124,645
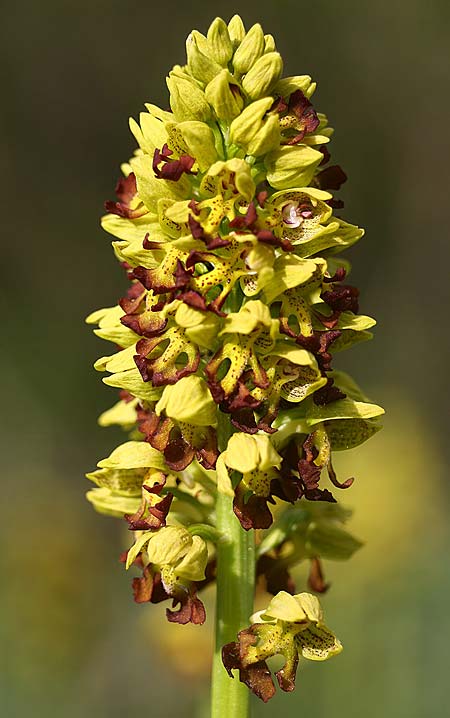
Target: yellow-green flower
x,y
182,424
173,561
290,626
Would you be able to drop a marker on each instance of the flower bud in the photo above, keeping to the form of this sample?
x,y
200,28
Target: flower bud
x,y
187,100
292,166
202,67
264,74
256,135
288,85
250,49
224,96
236,30
221,48
244,128
267,138
199,139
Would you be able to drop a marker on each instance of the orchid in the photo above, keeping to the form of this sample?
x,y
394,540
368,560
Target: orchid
x,y
291,626
225,225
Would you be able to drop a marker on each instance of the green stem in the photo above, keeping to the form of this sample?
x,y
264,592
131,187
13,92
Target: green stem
x,y
234,603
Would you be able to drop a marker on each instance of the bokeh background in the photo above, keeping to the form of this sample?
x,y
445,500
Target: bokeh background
x,y
73,642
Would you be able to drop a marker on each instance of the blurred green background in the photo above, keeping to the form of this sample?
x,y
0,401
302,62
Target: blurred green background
x,y
73,642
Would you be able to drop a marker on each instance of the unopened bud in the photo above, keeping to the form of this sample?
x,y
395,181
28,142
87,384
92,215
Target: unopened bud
x,y
202,67
245,127
250,49
199,139
267,138
236,30
288,85
187,100
224,96
292,166
220,45
264,74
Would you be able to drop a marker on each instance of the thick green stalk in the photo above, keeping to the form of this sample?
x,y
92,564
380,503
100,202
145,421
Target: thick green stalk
x,y
234,603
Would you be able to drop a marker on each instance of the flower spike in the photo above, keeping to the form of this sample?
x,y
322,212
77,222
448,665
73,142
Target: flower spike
x,y
225,346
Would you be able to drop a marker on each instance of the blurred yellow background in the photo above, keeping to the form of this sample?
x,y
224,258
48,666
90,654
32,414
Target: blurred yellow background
x,y
73,642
